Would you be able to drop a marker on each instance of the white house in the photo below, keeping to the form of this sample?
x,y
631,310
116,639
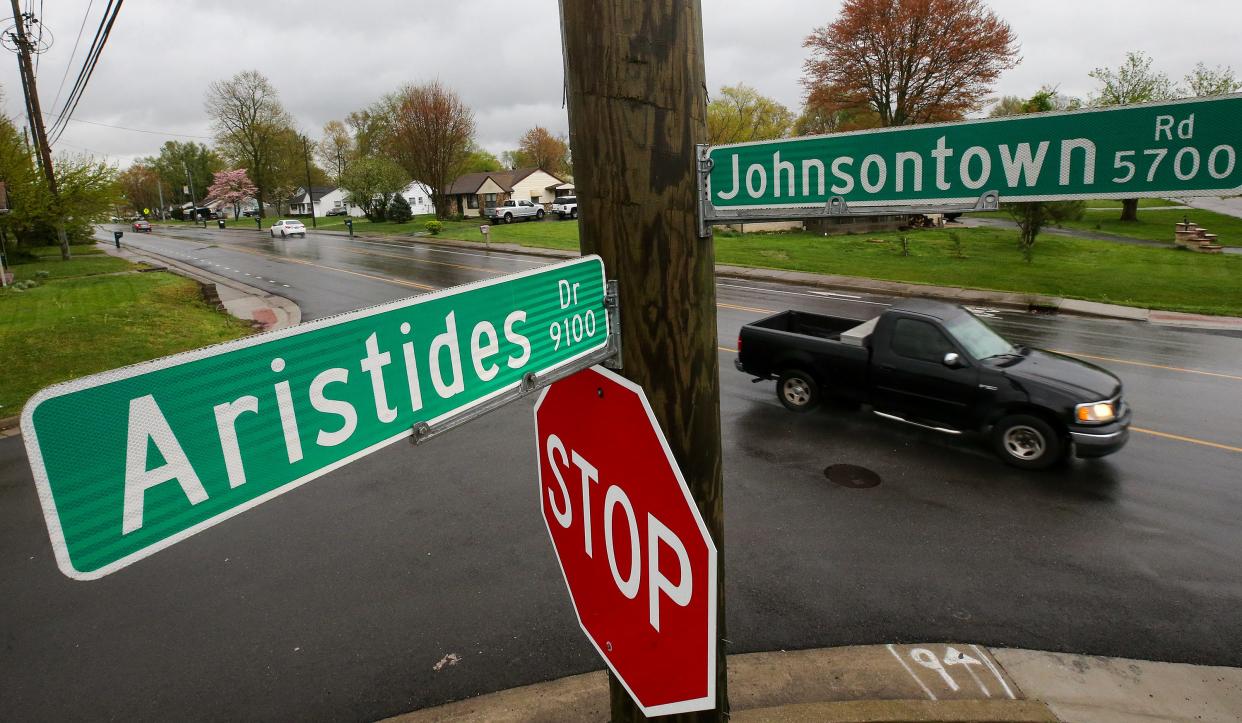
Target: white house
x,y
334,201
419,197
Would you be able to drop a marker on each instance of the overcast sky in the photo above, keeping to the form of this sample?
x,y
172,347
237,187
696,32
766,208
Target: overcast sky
x,y
329,58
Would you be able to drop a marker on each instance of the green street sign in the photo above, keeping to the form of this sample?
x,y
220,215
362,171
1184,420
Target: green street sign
x,y
1181,148
133,460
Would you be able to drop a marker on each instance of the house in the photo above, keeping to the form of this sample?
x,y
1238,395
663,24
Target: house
x,y
475,191
334,201
419,196
564,189
300,205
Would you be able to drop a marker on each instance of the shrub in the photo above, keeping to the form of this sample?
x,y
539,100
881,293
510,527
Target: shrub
x,y
433,227
399,210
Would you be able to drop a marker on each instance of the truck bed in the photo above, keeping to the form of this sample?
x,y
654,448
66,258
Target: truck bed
x,y
808,324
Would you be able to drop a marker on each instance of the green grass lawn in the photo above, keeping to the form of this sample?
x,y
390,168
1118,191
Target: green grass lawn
x,y
1151,225
1143,203
1075,268
90,316
1158,225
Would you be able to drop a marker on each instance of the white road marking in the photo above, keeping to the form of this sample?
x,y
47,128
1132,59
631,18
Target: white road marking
x,y
489,255
918,680
837,295
811,295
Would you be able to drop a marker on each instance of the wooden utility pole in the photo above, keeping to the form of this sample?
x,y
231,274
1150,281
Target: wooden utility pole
x,y
22,43
637,101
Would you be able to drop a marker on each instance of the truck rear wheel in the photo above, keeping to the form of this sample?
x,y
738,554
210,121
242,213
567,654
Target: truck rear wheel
x,y
797,391
1027,442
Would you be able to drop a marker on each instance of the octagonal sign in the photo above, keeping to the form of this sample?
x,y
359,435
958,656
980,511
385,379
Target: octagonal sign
x,y
637,558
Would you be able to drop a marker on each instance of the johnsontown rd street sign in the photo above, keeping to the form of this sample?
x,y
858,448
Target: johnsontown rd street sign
x,y
130,461
1184,148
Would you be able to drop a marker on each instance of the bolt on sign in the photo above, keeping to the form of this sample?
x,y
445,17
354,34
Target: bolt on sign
x,y
1184,148
636,555
133,460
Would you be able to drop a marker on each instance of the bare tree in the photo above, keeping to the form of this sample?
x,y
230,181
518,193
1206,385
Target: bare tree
x,y
336,149
250,124
429,131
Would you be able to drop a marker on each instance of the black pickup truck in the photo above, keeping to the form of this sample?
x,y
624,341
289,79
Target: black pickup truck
x,y
935,365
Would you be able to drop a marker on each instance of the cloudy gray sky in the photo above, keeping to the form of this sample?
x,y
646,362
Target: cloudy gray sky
x,y
328,58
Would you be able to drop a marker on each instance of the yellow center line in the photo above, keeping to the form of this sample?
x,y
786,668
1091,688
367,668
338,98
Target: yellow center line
x,y
387,279
1150,365
745,308
1191,440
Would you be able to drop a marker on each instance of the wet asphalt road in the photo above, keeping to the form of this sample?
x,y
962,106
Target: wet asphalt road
x,y
336,601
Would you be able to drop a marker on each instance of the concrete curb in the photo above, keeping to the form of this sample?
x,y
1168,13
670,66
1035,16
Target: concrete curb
x,y
266,310
930,682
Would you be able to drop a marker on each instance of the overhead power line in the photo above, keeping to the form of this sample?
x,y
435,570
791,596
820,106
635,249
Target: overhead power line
x,y
88,67
85,16
136,130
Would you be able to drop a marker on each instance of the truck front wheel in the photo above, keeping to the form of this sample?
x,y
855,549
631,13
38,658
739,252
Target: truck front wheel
x,y
1027,442
797,391
508,218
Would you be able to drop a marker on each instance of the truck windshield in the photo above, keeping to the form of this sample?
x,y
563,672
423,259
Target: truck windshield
x,y
980,341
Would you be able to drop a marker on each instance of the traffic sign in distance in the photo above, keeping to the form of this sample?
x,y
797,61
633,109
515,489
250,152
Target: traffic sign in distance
x,y
1182,148
637,558
131,461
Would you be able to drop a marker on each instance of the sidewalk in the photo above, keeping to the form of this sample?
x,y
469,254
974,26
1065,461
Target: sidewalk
x,y
249,303
931,682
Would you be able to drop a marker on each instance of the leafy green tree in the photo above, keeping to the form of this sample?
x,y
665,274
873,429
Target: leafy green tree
x,y
1205,81
1032,217
372,182
88,191
741,114
399,210
478,160
174,159
1134,81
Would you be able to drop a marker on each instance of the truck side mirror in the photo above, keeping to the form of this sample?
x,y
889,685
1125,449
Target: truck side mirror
x,y
952,360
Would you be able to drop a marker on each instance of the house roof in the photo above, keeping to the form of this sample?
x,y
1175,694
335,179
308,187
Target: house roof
x,y
317,192
472,182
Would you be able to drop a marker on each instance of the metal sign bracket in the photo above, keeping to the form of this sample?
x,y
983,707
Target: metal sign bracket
x,y
608,356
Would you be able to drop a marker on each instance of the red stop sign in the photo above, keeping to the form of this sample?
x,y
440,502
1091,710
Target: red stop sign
x,y
637,558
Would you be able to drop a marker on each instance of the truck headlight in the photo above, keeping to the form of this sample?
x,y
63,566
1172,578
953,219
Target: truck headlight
x,y
1097,412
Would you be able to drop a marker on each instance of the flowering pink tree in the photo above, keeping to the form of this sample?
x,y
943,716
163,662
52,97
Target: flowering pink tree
x,y
232,187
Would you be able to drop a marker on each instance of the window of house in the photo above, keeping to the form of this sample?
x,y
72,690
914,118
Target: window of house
x,y
489,200
472,201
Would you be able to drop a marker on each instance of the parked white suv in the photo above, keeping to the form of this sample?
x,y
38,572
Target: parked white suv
x,y
288,227
565,206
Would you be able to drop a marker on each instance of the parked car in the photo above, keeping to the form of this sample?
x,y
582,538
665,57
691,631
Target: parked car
x,y
288,227
141,225
565,206
935,365
342,211
248,213
511,209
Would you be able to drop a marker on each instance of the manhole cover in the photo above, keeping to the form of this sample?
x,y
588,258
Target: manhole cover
x,y
852,476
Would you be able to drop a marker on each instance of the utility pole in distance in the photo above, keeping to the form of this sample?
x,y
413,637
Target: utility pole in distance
x,y
310,194
637,102
22,43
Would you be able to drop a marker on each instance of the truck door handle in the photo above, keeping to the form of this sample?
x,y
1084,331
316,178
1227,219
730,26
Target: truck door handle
x,y
887,368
